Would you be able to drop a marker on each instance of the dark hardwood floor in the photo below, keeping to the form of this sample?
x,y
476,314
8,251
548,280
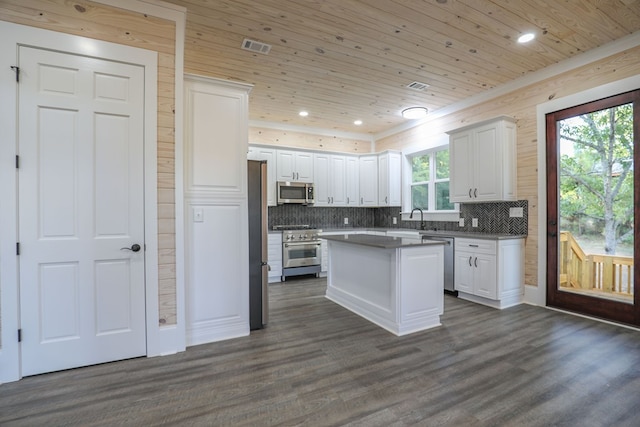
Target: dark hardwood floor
x,y
318,364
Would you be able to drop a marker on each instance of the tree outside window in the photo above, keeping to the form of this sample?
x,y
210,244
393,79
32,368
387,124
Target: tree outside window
x,y
430,181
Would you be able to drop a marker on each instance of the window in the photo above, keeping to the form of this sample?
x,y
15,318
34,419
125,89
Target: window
x,y
430,181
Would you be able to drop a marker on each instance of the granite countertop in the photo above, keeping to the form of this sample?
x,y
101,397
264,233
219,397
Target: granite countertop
x,y
382,242
441,233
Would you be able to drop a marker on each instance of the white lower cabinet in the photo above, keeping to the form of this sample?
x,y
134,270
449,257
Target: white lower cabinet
x,y
490,272
274,256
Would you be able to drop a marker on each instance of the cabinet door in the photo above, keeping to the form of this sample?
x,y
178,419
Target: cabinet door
x,y
337,180
269,155
369,181
487,164
274,254
352,178
322,183
304,166
464,270
394,177
461,167
285,165
324,259
383,180
485,280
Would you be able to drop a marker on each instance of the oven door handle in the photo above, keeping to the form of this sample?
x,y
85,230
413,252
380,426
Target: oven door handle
x,y
286,245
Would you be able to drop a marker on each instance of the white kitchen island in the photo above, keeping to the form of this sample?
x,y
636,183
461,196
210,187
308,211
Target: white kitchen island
x,y
394,282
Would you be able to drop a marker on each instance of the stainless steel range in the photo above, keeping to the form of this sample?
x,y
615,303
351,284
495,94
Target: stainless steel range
x,y
301,250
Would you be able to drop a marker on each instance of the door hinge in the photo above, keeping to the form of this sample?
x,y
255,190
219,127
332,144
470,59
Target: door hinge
x,y
17,162
17,248
17,70
19,335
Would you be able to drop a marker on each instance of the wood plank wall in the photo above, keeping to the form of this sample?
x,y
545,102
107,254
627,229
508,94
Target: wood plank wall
x,y
521,105
283,138
93,20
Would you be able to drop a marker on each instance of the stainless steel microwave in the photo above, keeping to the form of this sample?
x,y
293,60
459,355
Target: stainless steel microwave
x,y
295,192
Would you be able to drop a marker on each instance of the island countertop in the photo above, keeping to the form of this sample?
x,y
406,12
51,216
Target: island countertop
x,y
382,242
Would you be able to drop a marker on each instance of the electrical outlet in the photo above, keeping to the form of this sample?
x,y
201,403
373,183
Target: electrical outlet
x,y
474,222
346,221
461,222
516,212
395,220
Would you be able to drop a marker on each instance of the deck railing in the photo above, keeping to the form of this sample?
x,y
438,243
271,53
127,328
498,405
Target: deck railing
x,y
603,273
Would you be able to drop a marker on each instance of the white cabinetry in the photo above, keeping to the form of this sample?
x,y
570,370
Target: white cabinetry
x,y
294,166
369,180
274,255
269,155
389,179
352,179
324,248
483,162
490,272
330,180
216,241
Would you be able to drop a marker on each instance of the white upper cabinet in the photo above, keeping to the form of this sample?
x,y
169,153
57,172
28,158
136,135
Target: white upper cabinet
x,y
269,155
483,162
369,180
390,179
329,179
216,129
352,178
294,166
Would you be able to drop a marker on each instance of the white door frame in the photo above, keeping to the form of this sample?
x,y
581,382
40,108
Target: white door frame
x,y
14,35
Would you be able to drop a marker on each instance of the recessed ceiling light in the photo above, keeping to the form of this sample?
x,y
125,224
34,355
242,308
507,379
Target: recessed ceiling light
x,y
303,113
414,113
526,38
357,122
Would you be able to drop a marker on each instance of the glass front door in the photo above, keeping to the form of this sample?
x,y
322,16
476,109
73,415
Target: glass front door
x,y
591,210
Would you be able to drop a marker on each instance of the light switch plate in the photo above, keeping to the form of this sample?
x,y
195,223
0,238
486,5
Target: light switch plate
x,y
461,222
346,221
395,220
474,222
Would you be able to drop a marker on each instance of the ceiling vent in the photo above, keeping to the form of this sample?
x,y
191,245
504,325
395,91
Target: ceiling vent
x,y
255,46
417,86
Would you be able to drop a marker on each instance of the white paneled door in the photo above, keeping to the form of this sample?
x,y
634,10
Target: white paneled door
x,y
81,216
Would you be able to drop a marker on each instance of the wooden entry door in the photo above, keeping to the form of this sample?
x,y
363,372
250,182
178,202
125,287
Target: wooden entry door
x,y
592,208
81,210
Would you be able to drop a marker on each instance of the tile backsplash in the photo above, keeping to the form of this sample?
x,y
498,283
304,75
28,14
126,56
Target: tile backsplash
x,y
492,218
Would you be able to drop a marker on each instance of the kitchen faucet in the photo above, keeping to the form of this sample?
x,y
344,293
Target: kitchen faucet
x,y
422,225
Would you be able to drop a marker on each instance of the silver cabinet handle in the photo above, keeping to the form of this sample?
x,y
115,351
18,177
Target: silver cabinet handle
x,y
361,200
470,261
476,262
331,199
475,193
473,246
470,196
347,200
328,199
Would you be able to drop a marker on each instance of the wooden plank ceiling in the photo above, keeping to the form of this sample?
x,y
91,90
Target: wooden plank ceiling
x,y
343,60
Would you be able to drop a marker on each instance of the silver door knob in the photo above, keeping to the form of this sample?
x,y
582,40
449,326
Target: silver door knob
x,y
134,248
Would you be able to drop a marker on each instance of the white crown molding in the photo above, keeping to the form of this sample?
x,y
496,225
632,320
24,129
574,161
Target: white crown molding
x,y
312,130
617,46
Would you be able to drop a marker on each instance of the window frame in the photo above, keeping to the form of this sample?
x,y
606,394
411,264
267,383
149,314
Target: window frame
x,y
407,184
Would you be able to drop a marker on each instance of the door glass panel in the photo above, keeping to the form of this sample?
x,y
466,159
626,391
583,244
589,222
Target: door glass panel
x,y
596,207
